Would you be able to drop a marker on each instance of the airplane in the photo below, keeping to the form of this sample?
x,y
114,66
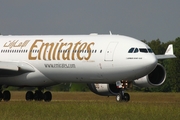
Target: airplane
x,y
107,63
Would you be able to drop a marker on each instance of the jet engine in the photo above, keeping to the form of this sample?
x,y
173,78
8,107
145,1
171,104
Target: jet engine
x,y
155,78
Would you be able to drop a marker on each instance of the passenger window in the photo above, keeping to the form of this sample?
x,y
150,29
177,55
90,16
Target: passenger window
x,y
131,50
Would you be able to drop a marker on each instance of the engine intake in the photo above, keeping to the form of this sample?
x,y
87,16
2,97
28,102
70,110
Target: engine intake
x,y
155,78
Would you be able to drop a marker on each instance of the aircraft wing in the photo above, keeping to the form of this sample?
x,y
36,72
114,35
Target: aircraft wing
x,y
168,54
14,68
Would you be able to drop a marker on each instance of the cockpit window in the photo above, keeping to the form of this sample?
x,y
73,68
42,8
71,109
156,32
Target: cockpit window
x,y
150,51
131,50
136,50
143,50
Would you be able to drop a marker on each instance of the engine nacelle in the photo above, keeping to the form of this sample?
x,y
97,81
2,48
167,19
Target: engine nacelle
x,y
155,78
104,89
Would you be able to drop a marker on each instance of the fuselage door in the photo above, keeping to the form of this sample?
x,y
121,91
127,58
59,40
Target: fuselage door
x,y
110,51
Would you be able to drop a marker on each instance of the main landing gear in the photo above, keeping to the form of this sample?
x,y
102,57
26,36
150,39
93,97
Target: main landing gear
x,y
39,96
122,96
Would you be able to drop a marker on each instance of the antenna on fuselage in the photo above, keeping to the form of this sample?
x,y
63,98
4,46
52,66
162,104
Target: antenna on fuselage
x,y
110,32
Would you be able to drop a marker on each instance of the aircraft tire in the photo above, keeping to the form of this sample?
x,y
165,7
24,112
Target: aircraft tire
x,y
6,95
38,96
47,96
29,96
119,98
126,97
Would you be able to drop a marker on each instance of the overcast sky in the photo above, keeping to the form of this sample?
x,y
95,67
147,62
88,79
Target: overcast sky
x,y
140,19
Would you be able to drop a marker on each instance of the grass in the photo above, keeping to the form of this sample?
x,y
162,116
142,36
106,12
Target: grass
x,y
88,106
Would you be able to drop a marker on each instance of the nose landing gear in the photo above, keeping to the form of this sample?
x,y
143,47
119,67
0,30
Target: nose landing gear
x,y
122,85
122,96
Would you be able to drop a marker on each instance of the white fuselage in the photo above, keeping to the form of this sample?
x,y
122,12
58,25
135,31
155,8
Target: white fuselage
x,y
75,58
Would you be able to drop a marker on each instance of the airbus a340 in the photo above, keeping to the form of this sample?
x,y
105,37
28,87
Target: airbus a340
x,y
107,63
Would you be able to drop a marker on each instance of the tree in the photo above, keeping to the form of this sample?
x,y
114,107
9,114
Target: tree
x,y
157,46
173,68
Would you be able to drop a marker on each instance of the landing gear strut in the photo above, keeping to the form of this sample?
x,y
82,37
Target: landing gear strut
x,y
122,96
39,95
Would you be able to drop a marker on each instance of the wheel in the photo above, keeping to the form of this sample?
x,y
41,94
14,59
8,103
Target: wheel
x,y
41,95
126,97
29,96
38,95
6,95
119,98
47,96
